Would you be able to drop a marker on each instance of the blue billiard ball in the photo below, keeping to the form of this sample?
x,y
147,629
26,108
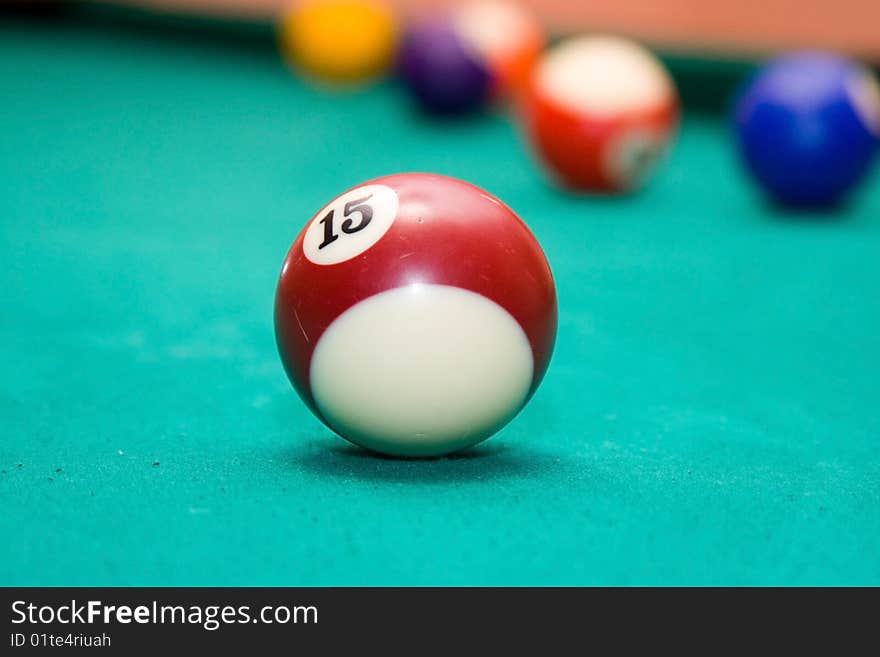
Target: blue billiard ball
x,y
808,126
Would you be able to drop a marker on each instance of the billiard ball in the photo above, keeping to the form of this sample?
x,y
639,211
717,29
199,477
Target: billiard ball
x,y
334,41
807,126
415,314
478,52
599,112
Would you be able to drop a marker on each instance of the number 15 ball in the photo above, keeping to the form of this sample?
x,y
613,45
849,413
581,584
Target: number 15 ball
x,y
415,314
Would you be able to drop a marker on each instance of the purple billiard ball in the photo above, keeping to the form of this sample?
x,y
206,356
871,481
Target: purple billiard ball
x,y
439,70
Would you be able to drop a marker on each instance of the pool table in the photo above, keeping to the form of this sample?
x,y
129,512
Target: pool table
x,y
711,414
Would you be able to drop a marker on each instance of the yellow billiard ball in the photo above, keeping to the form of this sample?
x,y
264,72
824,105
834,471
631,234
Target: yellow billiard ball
x,y
339,40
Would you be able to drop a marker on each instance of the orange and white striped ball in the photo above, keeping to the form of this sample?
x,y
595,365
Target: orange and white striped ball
x,y
476,52
505,35
600,111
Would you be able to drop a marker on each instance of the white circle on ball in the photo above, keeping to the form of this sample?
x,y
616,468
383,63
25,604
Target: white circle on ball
x,y
864,93
604,75
421,370
350,224
631,156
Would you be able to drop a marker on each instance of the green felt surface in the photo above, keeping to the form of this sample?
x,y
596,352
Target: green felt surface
x,y
710,415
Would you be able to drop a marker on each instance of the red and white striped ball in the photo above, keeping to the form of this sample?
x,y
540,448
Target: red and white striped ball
x,y
415,314
600,111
